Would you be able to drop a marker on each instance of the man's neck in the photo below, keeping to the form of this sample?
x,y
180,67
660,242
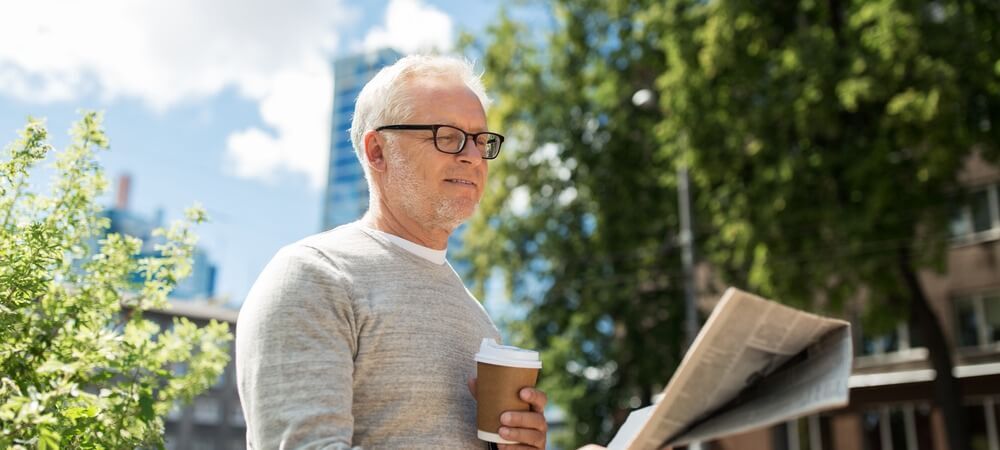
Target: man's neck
x,y
381,218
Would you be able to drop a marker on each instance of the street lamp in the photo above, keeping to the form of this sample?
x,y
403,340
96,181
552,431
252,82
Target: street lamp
x,y
646,99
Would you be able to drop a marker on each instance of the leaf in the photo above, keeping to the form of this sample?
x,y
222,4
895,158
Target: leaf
x,y
78,412
48,439
146,407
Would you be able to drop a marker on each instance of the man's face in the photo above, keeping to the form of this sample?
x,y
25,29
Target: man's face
x,y
436,189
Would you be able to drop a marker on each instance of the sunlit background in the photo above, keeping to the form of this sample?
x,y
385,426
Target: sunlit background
x,y
820,138
226,103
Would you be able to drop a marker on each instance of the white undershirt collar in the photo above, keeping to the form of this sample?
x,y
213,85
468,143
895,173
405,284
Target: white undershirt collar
x,y
434,256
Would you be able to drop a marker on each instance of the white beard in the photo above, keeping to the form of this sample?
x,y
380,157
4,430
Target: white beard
x,y
412,194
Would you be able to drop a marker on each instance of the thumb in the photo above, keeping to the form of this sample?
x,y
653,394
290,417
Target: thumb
x,y
471,383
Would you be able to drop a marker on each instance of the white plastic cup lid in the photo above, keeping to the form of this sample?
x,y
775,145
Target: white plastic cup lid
x,y
490,352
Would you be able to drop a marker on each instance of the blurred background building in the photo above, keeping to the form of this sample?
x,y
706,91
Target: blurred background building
x,y
346,193
199,285
214,420
891,390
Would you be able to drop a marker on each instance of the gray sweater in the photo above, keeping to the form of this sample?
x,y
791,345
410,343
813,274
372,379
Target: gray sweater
x,y
348,340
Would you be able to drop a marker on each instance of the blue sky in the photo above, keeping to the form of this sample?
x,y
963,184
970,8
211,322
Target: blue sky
x,y
226,103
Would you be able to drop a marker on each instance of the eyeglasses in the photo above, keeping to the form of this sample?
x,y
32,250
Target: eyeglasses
x,y
448,139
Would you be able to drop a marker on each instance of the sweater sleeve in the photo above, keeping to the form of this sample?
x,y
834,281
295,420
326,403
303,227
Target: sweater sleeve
x,y
296,339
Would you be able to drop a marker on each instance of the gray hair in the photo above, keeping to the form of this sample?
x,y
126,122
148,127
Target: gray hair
x,y
384,99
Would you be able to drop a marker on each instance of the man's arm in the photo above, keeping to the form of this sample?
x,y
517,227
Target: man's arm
x,y
295,347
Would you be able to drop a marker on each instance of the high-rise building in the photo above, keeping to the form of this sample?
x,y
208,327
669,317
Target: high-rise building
x,y
346,197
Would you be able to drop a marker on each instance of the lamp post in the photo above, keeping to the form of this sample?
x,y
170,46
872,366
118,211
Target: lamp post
x,y
687,257
646,99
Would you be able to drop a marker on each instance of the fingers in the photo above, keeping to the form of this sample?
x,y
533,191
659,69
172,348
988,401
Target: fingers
x,y
527,427
528,438
537,399
516,447
532,420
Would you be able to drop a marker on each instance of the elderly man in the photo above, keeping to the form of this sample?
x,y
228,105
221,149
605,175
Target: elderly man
x,y
363,336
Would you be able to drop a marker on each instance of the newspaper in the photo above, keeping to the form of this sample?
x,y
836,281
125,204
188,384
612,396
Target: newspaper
x,y
754,363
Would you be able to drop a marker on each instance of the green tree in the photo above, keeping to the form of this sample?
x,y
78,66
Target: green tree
x,y
825,139
577,217
79,365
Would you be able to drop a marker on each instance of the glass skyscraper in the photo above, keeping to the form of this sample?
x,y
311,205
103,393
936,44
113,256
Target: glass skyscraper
x,y
346,197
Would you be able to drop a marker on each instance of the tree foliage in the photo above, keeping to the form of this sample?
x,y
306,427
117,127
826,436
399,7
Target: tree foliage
x,y
824,141
577,217
79,365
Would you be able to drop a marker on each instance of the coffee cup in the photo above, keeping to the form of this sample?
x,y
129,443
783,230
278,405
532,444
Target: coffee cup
x,y
501,371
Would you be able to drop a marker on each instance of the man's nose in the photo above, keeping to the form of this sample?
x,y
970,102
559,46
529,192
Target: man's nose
x,y
471,152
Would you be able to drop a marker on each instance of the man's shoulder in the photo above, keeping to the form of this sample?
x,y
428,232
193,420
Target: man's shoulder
x,y
343,245
344,236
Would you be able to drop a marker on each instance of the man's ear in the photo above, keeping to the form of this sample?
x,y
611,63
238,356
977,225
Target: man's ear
x,y
375,151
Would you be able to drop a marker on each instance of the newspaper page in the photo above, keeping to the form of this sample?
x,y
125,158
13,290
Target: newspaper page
x,y
814,383
744,340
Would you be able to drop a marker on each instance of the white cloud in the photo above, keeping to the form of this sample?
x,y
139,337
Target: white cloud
x,y
165,53
298,108
412,26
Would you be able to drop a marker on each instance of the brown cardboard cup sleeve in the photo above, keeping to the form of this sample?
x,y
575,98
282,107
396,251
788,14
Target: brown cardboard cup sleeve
x,y
501,372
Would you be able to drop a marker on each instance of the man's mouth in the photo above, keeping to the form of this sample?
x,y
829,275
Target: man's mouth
x,y
460,181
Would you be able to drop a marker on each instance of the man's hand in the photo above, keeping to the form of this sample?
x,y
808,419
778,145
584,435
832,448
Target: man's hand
x,y
527,427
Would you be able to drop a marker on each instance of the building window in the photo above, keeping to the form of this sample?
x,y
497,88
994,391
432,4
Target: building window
x,y
220,382
345,126
807,433
902,338
348,160
203,443
237,443
881,344
207,410
983,424
905,427
349,94
176,411
345,109
170,441
345,146
978,318
977,217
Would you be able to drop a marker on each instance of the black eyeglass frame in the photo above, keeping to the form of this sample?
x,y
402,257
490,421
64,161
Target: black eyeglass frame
x,y
434,131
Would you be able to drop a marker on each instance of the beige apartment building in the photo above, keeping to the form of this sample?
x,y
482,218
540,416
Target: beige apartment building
x,y
890,397
214,420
